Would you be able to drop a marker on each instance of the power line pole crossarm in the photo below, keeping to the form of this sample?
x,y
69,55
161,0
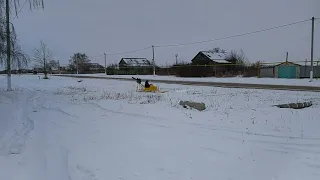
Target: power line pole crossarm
x,y
312,43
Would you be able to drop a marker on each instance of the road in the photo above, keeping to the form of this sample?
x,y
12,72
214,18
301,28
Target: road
x,y
216,84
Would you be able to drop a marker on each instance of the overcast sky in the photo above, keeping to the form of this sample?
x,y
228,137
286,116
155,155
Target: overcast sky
x,y
97,26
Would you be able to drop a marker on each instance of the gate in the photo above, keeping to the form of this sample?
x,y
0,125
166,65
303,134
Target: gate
x,y
287,72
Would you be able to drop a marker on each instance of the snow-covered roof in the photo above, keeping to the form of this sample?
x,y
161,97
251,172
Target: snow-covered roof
x,y
95,65
216,57
308,63
55,68
136,61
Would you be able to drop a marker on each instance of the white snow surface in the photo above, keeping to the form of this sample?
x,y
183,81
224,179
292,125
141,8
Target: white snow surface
x,y
244,80
61,129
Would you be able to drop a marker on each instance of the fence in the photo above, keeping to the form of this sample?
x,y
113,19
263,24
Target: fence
x,y
213,70
305,71
304,67
188,70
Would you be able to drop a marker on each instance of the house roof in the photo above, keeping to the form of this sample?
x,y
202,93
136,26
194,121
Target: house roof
x,y
216,57
95,65
288,62
308,63
136,61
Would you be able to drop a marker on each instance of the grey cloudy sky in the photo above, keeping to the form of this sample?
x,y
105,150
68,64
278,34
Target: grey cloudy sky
x,y
97,26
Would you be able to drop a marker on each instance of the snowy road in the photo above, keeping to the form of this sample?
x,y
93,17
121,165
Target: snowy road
x,y
248,83
98,129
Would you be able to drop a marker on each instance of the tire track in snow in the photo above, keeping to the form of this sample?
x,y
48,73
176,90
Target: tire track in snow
x,y
62,112
311,165
43,157
157,125
127,113
308,145
20,138
15,143
300,150
216,128
139,116
275,143
86,174
213,150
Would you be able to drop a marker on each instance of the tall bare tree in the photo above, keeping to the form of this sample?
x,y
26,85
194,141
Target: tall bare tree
x,y
238,58
42,56
217,50
79,62
6,7
19,59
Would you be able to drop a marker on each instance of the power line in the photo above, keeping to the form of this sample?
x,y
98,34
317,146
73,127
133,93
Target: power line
x,y
119,53
238,35
93,57
20,10
110,54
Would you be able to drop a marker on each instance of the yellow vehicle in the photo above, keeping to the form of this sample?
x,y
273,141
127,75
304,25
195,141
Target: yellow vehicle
x,y
151,88
147,87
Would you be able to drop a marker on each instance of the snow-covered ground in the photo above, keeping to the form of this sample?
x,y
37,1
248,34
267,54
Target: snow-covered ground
x,y
102,129
245,80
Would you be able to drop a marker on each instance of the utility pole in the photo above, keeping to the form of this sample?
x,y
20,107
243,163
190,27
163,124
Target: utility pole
x,y
77,59
305,68
306,62
167,68
44,65
287,57
176,59
8,46
105,63
154,64
316,70
312,40
59,67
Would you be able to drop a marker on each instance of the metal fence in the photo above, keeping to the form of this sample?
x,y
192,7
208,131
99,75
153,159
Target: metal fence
x,y
305,71
268,69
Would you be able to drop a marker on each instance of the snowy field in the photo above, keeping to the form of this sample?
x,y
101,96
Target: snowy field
x,y
61,129
245,80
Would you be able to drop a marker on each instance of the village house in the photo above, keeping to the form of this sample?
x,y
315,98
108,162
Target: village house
x,y
210,63
135,66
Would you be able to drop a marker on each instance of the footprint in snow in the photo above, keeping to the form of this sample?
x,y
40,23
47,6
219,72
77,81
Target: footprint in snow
x,y
86,174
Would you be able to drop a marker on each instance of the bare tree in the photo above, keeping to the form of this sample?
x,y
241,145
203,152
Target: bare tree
x,y
80,62
5,33
19,59
42,56
33,4
52,64
236,57
217,50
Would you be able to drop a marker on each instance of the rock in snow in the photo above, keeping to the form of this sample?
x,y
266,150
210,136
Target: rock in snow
x,y
195,105
295,105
